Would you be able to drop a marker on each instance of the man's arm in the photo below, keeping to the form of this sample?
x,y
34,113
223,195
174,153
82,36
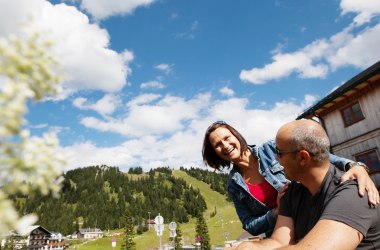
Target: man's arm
x,y
282,236
329,234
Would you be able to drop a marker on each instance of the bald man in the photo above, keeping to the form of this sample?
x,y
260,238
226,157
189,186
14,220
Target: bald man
x,y
317,212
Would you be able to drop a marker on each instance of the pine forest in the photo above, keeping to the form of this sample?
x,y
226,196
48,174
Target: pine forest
x,y
98,196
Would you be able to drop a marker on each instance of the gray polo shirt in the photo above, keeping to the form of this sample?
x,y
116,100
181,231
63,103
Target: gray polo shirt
x,y
333,201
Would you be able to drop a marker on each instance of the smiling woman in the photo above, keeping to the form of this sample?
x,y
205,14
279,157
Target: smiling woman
x,y
257,180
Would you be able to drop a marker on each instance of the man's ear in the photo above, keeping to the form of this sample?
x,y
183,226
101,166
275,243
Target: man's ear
x,y
304,157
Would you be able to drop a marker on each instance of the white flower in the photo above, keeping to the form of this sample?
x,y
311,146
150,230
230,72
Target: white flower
x,y
24,222
28,163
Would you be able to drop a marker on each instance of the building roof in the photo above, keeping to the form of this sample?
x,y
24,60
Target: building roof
x,y
90,230
56,235
28,230
343,89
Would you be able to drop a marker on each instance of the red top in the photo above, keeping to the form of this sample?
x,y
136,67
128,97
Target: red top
x,y
264,192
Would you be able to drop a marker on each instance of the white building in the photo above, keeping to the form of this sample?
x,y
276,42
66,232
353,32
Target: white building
x,y
90,233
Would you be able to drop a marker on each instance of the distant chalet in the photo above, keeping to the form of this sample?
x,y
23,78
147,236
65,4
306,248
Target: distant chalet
x,y
90,233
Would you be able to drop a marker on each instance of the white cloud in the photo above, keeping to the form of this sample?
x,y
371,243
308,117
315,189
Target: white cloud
x,y
360,51
143,99
88,154
81,48
58,129
284,64
39,126
164,116
354,45
80,102
169,130
256,125
310,100
227,91
143,152
365,9
101,9
152,85
166,68
104,106
190,33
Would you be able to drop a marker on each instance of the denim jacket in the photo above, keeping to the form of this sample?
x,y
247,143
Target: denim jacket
x,y
255,216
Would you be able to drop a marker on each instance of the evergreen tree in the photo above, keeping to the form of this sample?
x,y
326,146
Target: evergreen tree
x,y
202,232
136,170
77,226
178,238
128,243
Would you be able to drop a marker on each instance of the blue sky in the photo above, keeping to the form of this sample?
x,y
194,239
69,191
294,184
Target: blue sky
x,y
143,79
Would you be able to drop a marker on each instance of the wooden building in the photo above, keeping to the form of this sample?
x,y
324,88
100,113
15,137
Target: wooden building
x,y
351,116
34,238
40,238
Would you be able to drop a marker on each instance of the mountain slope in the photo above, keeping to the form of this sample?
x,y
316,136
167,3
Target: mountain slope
x,y
225,222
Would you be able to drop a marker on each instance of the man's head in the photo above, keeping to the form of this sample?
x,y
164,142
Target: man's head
x,y
301,144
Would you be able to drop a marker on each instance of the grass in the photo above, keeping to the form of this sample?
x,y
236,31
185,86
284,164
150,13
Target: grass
x,y
225,222
226,219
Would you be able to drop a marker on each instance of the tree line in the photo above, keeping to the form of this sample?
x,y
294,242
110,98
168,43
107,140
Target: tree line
x,y
216,180
98,196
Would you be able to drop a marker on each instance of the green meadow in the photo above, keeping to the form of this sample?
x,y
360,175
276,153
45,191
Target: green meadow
x,y
224,223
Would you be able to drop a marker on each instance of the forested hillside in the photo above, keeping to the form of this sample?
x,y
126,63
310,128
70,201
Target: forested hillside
x,y
216,180
98,196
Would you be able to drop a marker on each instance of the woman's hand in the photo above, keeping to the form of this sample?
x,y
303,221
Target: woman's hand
x,y
279,196
365,183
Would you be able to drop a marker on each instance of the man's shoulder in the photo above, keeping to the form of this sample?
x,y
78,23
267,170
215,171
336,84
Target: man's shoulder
x,y
345,190
349,187
345,197
345,205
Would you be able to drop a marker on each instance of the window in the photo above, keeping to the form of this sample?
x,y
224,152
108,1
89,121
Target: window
x,y
370,159
352,114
